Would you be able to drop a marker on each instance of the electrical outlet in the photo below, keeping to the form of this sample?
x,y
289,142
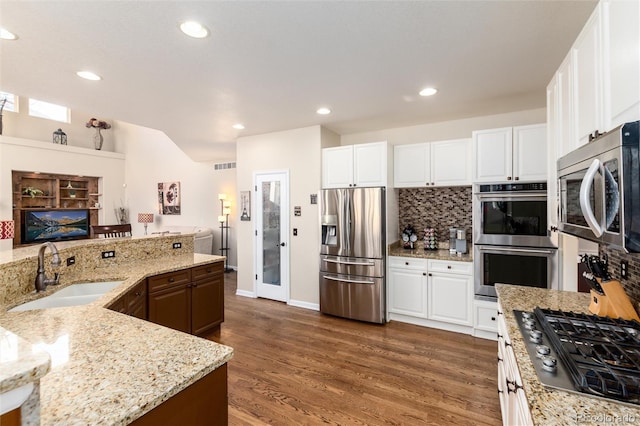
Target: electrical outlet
x,y
177,245
71,260
624,269
295,232
108,254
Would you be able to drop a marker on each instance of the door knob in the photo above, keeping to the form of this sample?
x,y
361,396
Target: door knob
x,y
282,244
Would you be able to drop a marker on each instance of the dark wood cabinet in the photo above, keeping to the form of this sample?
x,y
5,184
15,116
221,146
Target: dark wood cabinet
x,y
190,300
207,298
133,303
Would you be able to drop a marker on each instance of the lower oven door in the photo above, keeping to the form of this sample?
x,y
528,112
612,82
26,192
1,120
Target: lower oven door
x,y
352,296
526,266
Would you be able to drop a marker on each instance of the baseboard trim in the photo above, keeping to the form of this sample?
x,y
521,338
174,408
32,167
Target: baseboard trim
x,y
245,293
305,305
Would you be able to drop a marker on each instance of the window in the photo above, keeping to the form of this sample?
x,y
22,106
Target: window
x,y
49,111
12,101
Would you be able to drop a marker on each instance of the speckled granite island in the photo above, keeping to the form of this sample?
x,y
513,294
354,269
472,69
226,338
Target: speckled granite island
x,y
106,368
550,406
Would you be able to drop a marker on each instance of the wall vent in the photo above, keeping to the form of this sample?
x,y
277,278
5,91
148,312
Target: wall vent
x,y
224,166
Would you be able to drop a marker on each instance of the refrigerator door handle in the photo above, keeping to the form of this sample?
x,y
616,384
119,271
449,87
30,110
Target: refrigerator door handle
x,y
327,277
341,262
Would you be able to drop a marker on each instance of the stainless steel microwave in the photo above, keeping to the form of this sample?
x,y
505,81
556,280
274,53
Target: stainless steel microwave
x,y
599,189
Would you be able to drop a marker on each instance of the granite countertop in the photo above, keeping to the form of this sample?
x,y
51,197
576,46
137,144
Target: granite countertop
x,y
550,406
396,249
106,367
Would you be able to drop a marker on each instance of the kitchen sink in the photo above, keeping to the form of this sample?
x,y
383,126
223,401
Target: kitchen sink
x,y
73,295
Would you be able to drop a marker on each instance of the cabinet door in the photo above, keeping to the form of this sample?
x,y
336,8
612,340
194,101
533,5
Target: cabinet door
x,y
138,311
370,164
451,163
207,304
450,298
623,85
172,308
530,153
411,165
337,167
587,96
408,292
492,151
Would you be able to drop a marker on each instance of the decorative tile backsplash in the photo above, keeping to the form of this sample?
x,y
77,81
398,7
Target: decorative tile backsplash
x,y
440,208
631,285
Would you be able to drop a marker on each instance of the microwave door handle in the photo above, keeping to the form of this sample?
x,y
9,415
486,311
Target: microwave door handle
x,y
585,190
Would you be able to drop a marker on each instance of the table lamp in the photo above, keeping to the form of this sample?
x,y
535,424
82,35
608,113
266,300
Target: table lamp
x,y
145,218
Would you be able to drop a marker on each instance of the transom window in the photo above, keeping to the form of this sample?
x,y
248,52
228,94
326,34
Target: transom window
x,y
12,101
48,110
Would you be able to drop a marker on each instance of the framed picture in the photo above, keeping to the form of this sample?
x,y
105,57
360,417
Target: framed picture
x,y
245,205
169,198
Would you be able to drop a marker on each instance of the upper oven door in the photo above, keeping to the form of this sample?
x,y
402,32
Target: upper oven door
x,y
518,219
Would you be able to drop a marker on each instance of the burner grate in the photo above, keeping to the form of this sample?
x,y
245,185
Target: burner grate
x,y
601,354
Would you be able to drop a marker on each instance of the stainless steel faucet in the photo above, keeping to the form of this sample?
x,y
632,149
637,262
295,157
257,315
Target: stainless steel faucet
x,y
41,279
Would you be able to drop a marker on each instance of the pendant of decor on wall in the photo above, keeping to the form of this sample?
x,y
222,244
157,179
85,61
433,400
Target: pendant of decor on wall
x,y
169,198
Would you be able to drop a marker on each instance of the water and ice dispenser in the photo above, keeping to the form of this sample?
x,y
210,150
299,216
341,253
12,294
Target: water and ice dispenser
x,y
330,230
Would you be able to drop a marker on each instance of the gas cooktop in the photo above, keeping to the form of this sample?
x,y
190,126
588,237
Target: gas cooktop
x,y
582,353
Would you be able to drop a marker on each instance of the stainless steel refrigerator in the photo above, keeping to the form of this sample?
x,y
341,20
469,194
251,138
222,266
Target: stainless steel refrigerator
x,y
352,261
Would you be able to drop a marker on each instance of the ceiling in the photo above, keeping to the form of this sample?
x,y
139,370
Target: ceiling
x,y
270,65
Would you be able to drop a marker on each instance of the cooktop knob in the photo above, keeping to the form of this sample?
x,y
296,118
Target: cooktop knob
x,y
542,350
549,364
529,324
527,315
535,336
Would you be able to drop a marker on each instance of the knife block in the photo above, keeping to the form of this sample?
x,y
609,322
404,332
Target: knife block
x,y
614,303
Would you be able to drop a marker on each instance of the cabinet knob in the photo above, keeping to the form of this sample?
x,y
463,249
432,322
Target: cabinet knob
x,y
430,274
406,263
448,266
433,183
138,294
424,273
554,229
508,177
171,279
208,271
493,318
517,178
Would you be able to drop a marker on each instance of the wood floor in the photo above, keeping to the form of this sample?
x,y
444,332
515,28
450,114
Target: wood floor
x,y
297,366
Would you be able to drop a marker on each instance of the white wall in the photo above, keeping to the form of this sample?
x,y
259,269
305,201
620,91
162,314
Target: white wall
x,y
299,152
22,125
38,156
152,158
455,129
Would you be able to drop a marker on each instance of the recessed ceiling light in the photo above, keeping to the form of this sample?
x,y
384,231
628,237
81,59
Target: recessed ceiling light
x,y
88,75
7,35
323,111
238,126
194,29
429,91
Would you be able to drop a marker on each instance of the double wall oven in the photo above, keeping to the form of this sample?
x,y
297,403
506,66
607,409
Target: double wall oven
x,y
511,239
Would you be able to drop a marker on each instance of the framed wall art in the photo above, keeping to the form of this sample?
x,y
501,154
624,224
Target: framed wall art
x,y
245,205
169,198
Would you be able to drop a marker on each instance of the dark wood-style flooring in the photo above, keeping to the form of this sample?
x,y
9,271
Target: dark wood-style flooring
x,y
297,366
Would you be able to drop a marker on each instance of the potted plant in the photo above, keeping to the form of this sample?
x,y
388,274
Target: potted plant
x,y
31,191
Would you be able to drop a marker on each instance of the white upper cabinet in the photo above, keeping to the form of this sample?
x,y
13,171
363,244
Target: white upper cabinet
x,y
444,163
363,165
510,154
588,93
622,66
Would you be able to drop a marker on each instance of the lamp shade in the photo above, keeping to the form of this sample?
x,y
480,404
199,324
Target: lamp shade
x,y
145,217
7,229
222,196
221,218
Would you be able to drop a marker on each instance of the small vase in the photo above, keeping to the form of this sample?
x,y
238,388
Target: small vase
x,y
97,139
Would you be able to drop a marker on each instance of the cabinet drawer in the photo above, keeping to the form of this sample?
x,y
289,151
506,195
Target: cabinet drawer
x,y
451,267
486,318
207,271
407,263
164,281
136,295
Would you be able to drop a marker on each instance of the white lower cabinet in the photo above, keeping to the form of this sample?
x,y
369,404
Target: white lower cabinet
x,y
449,299
513,400
485,319
431,293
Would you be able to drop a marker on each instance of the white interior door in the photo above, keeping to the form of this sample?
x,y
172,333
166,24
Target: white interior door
x,y
272,235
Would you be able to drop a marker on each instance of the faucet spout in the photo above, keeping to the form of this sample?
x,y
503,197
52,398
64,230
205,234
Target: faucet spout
x,y
42,281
